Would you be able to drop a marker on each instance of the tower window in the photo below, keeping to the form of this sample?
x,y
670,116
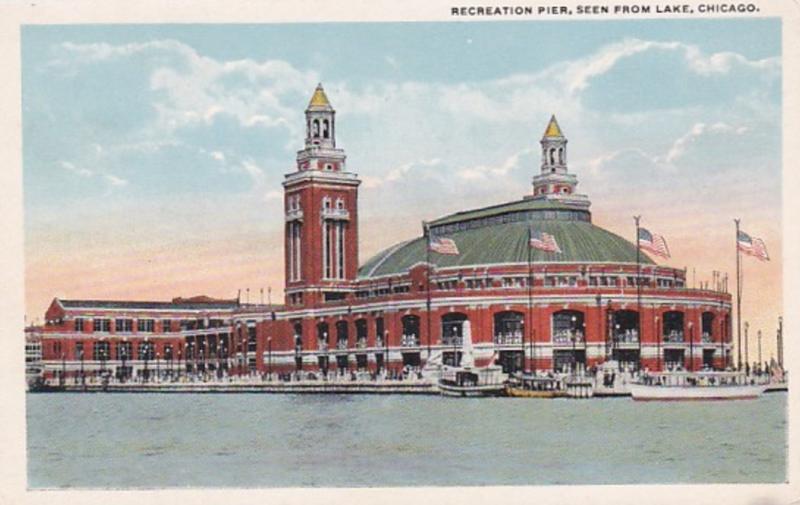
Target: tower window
x,y
325,129
316,128
552,155
561,155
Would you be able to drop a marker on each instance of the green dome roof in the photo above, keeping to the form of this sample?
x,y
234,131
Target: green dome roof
x,y
501,238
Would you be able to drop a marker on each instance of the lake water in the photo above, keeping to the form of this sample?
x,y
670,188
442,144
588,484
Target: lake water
x,y
261,440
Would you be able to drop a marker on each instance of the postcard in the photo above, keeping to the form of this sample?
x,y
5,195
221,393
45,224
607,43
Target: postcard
x,y
444,252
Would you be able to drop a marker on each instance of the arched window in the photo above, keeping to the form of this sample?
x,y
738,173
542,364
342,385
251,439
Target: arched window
x,y
298,335
410,324
509,327
625,326
341,332
453,328
568,327
325,129
552,155
322,335
673,326
561,155
361,330
708,327
316,128
339,203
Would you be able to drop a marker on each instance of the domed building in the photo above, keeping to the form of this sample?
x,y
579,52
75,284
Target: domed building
x,y
541,286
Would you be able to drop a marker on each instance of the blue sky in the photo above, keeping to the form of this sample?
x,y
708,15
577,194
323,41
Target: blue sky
x,y
149,141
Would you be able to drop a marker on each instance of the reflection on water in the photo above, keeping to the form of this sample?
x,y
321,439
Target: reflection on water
x,y
250,440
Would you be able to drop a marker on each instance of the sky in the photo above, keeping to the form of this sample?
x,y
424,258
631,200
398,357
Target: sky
x,y
153,155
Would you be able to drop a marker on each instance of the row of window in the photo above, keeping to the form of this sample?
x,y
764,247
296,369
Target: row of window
x,y
125,325
513,217
520,282
568,327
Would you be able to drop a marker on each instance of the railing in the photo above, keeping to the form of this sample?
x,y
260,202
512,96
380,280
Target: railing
x,y
335,214
294,215
674,336
509,338
568,337
378,342
451,340
626,337
706,338
409,340
341,344
322,345
361,343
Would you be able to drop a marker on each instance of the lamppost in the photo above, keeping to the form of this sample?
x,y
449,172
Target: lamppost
x,y
691,346
658,345
269,354
386,347
146,349
80,356
62,380
574,337
746,349
123,352
599,299
158,369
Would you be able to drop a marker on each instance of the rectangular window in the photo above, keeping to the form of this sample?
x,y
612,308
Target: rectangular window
x,y
78,350
123,325
78,324
166,325
145,325
102,325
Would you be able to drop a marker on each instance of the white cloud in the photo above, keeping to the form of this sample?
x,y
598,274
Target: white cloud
x,y
83,172
698,130
115,181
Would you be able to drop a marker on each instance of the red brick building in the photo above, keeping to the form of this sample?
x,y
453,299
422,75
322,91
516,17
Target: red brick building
x,y
407,303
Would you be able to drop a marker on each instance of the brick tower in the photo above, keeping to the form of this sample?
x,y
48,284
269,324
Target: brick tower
x,y
321,204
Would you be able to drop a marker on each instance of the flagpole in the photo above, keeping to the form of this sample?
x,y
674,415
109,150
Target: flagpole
x,y
530,303
428,290
638,291
738,300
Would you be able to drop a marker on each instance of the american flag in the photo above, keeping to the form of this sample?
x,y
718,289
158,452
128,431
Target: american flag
x,y
653,243
443,246
544,241
752,246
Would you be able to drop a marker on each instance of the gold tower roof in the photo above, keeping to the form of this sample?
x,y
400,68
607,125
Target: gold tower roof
x,y
553,130
319,99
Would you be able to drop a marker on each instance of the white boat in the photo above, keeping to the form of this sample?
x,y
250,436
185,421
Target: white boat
x,y
698,386
467,379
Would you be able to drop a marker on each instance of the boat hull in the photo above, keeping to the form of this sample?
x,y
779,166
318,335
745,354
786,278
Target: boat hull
x,y
471,391
641,392
527,393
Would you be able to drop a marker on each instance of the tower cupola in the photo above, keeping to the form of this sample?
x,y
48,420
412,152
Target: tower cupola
x,y
554,181
320,120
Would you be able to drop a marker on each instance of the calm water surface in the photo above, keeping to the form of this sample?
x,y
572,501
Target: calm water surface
x,y
260,440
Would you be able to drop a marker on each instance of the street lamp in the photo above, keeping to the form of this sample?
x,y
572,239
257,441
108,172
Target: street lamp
x,y
80,356
386,346
158,370
146,349
574,337
269,353
658,345
691,346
